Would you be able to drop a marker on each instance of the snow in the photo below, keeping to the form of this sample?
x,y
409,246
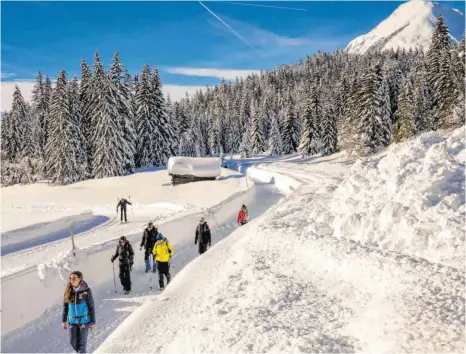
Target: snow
x,y
194,166
410,26
381,200
293,280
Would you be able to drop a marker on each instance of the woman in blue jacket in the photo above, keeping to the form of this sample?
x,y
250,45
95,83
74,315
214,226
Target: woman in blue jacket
x,y
78,311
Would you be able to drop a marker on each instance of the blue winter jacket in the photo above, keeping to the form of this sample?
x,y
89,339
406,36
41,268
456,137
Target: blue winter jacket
x,y
80,309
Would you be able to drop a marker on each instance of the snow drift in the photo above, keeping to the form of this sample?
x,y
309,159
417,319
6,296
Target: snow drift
x,y
409,27
410,198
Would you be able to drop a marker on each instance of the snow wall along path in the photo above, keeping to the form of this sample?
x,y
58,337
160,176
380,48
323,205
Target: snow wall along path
x,y
17,306
37,322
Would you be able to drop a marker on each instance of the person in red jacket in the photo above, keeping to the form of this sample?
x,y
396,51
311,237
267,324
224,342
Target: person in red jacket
x,y
242,216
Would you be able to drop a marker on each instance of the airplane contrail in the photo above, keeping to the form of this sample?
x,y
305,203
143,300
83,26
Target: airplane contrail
x,y
231,29
270,6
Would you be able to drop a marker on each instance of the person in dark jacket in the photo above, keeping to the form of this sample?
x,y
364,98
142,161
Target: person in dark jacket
x,y
203,236
78,311
122,205
125,254
148,242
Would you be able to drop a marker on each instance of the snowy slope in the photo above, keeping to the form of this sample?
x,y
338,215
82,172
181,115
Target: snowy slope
x,y
410,26
295,281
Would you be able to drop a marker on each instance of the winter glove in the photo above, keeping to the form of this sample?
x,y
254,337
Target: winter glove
x,y
210,244
112,259
195,242
140,249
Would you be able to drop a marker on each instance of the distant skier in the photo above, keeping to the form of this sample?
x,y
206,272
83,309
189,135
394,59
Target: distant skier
x,y
125,254
163,252
122,205
148,242
78,311
203,236
243,215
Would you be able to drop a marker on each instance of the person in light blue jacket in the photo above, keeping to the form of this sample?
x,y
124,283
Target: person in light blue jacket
x,y
78,311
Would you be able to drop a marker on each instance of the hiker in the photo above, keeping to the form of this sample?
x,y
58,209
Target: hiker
x,y
163,252
148,242
242,215
78,311
122,205
125,254
203,236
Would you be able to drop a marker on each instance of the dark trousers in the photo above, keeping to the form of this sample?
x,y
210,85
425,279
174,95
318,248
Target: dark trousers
x,y
78,337
202,247
123,210
163,269
125,277
147,256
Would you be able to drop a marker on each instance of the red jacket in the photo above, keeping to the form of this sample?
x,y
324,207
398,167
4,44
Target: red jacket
x,y
241,216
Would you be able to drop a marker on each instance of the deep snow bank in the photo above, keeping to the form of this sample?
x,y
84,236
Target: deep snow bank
x,y
409,198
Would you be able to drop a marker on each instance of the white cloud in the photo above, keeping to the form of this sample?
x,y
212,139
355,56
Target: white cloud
x,y
227,74
4,75
7,88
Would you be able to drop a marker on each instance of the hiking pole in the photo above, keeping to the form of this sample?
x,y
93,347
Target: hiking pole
x,y
132,211
114,281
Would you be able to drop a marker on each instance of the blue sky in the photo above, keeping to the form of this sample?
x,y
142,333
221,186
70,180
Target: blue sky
x,y
177,36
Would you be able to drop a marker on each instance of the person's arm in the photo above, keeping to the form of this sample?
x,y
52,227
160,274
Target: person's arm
x,y
197,235
115,256
65,312
239,217
129,202
144,237
170,249
90,306
208,236
131,253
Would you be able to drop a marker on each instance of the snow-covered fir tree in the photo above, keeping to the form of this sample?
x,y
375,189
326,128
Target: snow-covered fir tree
x,y
245,147
63,145
87,107
312,113
329,128
40,108
163,133
18,118
108,159
121,81
405,127
256,139
275,140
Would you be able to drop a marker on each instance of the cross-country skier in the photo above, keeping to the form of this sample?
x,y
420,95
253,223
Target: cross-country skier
x,y
125,254
148,242
122,205
242,215
78,311
203,236
163,252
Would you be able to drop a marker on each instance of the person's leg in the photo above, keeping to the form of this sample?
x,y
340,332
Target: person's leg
x,y
201,248
146,259
160,269
82,343
122,276
121,214
126,220
127,278
74,337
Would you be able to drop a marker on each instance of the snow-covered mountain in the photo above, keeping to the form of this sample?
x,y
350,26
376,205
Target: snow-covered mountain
x,y
410,26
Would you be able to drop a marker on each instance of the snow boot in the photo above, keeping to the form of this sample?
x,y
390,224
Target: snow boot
x,y
127,292
147,270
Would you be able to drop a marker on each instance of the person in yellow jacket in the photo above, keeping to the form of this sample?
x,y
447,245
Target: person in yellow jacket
x,y
163,252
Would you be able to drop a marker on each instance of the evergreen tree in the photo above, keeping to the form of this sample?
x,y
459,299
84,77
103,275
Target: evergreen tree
x,y
108,159
75,107
329,128
121,81
87,112
40,109
18,118
163,133
256,138
406,127
275,140
309,134
146,123
62,150
245,147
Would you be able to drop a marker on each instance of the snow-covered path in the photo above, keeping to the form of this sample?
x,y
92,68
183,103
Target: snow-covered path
x,y
45,335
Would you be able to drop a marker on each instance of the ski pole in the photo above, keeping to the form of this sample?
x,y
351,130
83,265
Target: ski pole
x,y
132,211
114,281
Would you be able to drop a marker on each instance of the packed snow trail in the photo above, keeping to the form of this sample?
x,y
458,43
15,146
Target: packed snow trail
x,y
44,333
